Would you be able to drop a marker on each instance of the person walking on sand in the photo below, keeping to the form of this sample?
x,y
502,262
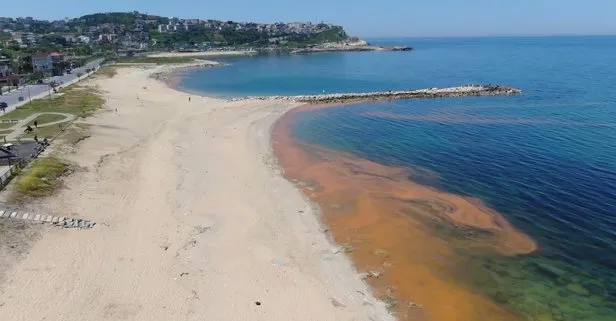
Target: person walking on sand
x,y
36,123
188,99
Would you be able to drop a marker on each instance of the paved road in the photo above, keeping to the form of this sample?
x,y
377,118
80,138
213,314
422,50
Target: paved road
x,y
12,98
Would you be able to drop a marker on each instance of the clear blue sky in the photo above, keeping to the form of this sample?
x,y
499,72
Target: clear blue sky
x,y
366,18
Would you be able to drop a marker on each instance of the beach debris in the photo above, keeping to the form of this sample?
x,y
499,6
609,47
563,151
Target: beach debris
x,y
257,303
324,230
202,229
414,305
337,304
389,301
374,274
348,248
74,223
183,274
336,250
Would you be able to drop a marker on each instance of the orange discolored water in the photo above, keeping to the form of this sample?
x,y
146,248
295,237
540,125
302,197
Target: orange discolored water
x,y
409,239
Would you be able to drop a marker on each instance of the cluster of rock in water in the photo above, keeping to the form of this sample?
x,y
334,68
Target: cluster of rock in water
x,y
472,90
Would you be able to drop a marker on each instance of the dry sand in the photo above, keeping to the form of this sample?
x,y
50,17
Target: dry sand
x,y
214,53
194,222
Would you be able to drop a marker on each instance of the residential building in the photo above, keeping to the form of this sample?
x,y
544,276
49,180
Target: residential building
x,y
111,37
42,63
84,39
5,67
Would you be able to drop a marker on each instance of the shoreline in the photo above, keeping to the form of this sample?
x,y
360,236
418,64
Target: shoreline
x,y
408,302
215,53
176,187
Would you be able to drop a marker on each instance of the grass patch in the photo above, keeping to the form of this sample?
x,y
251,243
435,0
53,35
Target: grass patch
x,y
44,132
77,101
47,118
7,125
107,71
42,178
155,60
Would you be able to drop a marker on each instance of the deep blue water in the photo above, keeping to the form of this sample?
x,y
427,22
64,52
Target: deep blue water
x,y
545,159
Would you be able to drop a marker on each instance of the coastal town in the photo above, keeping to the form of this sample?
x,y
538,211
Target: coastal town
x,y
32,50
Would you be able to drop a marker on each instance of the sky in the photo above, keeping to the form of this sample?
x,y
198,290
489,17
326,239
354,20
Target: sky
x,y
366,18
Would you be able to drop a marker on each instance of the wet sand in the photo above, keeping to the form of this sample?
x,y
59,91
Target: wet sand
x,y
408,238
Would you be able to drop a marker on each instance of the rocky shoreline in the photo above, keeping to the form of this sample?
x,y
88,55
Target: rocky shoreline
x,y
463,91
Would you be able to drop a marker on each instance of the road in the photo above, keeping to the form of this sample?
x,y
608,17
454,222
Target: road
x,y
32,91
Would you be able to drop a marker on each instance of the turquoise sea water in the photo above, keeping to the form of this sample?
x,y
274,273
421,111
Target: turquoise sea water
x,y
545,159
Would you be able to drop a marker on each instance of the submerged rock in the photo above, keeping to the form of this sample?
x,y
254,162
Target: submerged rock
x,y
577,289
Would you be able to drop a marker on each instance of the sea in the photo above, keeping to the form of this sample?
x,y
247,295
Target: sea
x,y
477,208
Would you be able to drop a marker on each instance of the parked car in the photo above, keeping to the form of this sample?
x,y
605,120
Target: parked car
x,y
40,81
3,105
21,98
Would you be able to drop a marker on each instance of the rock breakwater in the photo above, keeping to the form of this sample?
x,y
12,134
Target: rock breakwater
x,y
463,91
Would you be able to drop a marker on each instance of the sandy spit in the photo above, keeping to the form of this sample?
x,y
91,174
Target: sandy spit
x,y
195,221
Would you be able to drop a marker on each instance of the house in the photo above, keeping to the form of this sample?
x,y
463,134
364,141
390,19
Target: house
x,y
84,39
59,65
5,68
112,37
42,63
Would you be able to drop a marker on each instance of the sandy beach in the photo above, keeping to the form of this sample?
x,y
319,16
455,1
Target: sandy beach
x,y
194,221
213,53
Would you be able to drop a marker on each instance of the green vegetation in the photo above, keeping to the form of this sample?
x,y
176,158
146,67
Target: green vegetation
x,y
107,71
156,60
41,178
246,38
77,101
7,125
45,132
47,118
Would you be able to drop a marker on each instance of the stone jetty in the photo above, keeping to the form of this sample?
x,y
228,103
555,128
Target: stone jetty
x,y
463,91
343,48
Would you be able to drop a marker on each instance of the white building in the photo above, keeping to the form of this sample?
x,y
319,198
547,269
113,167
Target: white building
x,y
84,39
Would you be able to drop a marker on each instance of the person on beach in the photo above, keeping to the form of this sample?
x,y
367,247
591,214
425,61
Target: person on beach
x,y
36,123
189,99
